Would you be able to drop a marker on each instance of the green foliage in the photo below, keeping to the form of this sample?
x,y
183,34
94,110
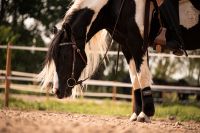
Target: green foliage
x,y
14,28
7,35
78,106
171,69
180,111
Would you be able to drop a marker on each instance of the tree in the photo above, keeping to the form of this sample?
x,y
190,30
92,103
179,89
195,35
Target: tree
x,y
176,68
25,22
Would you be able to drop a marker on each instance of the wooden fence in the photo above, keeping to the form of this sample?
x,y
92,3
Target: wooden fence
x,y
9,75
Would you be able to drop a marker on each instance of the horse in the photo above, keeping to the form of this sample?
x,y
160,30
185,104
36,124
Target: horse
x,y
84,27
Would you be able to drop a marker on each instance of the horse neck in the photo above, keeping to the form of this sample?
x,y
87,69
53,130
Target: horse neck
x,y
83,18
105,19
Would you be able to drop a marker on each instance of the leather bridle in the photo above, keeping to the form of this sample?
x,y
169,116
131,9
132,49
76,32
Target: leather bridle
x,y
71,81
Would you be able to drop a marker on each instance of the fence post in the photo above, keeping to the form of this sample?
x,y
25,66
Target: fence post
x,y
114,91
8,73
47,92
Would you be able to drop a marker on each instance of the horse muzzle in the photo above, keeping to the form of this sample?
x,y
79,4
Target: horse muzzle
x,y
63,92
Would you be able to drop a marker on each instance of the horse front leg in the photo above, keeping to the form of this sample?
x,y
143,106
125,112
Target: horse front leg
x,y
141,80
144,105
136,91
144,81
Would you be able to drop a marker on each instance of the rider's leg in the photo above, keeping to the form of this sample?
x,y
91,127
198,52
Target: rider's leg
x,y
170,16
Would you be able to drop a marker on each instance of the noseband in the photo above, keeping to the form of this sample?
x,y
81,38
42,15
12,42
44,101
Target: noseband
x,y
71,82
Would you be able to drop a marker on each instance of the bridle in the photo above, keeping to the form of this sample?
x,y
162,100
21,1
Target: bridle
x,y
71,81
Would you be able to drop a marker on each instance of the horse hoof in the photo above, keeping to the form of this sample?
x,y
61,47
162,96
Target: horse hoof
x,y
133,117
143,118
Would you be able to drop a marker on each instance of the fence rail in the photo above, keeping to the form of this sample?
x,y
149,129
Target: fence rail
x,y
161,88
44,49
37,89
22,76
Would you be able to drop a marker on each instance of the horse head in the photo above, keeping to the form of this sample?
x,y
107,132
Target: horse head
x,y
69,60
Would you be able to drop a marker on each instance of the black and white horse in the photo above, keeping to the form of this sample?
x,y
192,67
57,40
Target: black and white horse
x,y
84,28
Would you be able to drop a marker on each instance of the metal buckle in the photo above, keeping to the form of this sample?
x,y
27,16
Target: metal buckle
x,y
71,82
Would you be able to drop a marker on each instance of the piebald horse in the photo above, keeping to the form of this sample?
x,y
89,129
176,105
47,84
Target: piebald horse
x,y
84,28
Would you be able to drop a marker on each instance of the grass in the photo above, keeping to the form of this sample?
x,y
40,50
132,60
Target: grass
x,y
182,112
107,107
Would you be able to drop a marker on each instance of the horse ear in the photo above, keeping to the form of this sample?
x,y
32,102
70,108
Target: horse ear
x,y
67,27
68,30
55,30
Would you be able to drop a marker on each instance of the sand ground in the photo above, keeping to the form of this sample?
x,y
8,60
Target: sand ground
x,y
15,121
